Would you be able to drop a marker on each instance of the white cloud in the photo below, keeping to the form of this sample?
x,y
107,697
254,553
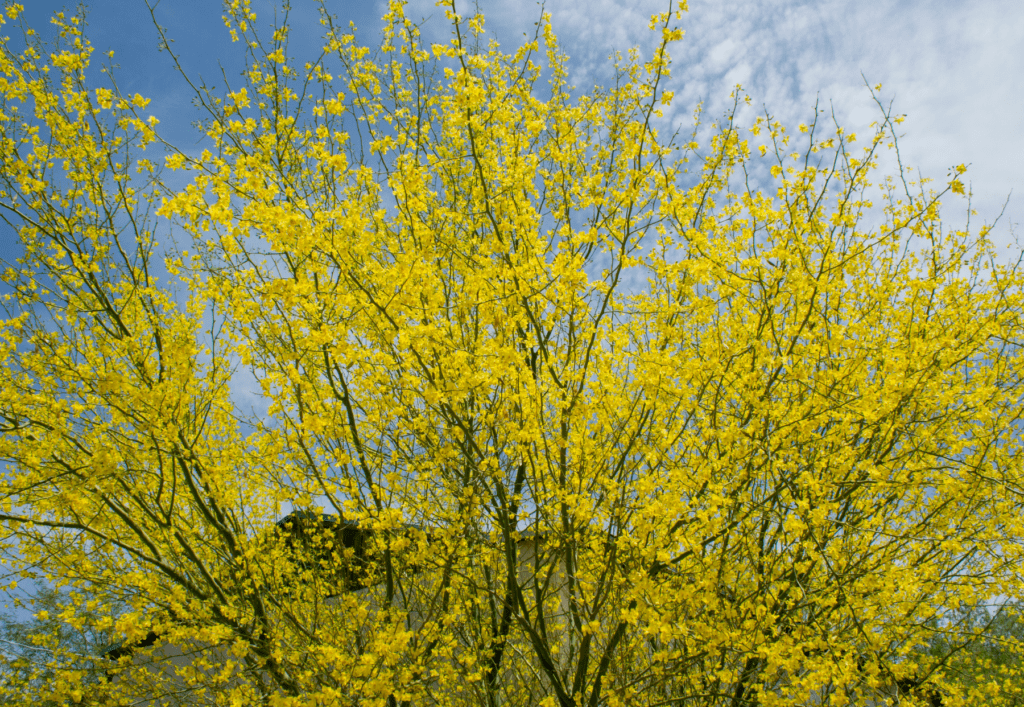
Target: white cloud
x,y
956,69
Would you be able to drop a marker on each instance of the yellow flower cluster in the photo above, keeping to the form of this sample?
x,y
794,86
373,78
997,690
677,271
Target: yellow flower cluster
x,y
557,411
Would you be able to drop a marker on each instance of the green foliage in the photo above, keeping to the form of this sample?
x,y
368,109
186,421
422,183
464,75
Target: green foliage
x,y
979,648
38,640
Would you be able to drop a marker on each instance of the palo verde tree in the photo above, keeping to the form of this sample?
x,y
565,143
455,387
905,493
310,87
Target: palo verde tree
x,y
561,409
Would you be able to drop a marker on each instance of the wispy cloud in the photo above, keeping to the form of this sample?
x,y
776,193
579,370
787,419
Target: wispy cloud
x,y
956,69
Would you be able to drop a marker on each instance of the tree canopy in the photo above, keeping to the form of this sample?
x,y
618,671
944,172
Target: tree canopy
x,y
562,405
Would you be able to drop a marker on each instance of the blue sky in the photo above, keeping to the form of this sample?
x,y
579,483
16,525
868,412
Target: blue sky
x,y
955,68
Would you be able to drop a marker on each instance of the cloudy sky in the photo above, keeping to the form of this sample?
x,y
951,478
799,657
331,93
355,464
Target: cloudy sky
x,y
955,68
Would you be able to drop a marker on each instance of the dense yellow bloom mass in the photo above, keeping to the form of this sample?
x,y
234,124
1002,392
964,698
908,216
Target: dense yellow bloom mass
x,y
564,412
